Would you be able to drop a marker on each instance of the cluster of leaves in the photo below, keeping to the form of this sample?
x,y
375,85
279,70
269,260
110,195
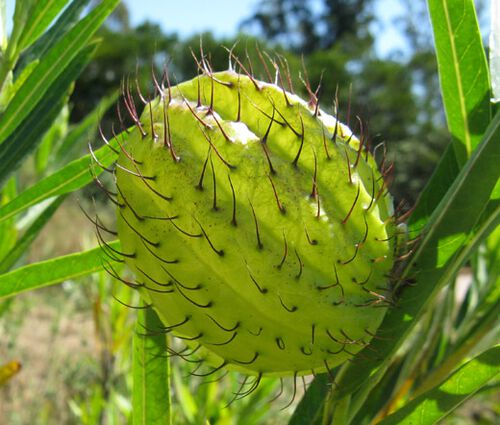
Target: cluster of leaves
x,y
434,351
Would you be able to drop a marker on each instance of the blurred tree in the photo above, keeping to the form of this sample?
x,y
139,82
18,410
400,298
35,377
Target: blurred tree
x,y
119,19
307,26
122,53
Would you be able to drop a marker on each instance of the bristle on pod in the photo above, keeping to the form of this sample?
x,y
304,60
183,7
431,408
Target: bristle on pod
x,y
257,225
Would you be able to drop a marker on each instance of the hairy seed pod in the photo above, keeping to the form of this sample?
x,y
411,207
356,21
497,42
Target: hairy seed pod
x,y
257,225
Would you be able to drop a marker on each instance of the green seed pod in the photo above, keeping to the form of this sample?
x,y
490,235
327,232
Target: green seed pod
x,y
257,225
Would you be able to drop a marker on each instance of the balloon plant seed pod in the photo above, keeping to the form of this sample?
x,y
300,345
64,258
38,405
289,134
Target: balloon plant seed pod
x,y
257,225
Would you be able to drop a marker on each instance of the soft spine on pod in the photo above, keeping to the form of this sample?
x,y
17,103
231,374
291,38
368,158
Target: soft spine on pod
x,y
257,225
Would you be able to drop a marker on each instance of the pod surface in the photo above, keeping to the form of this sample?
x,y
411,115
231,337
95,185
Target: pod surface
x,y
257,226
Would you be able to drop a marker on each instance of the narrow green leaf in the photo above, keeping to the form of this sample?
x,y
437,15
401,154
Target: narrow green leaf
x,y
186,401
10,55
39,19
3,26
436,404
486,326
440,181
69,178
151,371
485,315
53,271
62,25
51,66
309,409
29,236
466,121
8,230
22,12
441,252
21,77
463,72
31,130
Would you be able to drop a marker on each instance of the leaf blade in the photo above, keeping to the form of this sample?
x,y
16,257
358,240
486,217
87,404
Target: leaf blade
x,y
309,408
151,371
50,67
463,72
30,131
29,236
68,179
436,404
40,17
61,26
52,272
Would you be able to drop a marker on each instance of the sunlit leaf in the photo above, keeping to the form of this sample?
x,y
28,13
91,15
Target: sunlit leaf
x,y
433,406
53,271
465,87
31,130
29,235
69,178
151,371
39,19
463,72
51,66
8,230
61,26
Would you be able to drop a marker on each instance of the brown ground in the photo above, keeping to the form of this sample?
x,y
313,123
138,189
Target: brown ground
x,y
50,345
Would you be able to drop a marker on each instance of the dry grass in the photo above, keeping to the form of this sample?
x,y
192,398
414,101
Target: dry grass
x,y
54,343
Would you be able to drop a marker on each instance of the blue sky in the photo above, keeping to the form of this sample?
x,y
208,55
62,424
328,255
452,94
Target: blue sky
x,y
192,16
222,17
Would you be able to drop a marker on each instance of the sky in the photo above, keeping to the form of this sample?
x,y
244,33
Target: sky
x,y
192,16
222,17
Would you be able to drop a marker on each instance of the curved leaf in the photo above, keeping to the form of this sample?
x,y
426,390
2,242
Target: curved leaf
x,y
60,27
465,87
